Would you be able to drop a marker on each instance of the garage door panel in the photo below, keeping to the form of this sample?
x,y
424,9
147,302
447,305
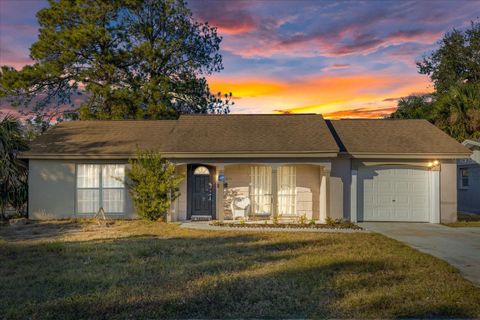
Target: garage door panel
x,y
393,194
386,186
402,200
384,200
402,186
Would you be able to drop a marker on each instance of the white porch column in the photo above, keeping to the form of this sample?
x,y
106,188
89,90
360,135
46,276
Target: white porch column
x,y
353,197
324,182
171,210
434,177
220,193
274,191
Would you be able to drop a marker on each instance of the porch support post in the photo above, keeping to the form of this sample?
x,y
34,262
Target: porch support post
x,y
324,194
220,193
171,210
434,177
274,192
353,197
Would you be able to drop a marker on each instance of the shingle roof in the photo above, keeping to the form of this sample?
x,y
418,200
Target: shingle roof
x,y
389,136
273,134
244,134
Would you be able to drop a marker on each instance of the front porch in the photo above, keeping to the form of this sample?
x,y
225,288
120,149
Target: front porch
x,y
279,192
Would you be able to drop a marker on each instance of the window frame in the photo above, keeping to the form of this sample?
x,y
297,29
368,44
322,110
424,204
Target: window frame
x,y
462,177
100,188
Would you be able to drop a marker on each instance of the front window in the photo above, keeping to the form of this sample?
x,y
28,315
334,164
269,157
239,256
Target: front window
x,y
287,191
100,186
260,191
464,178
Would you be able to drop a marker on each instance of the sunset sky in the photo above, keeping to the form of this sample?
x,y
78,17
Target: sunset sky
x,y
338,58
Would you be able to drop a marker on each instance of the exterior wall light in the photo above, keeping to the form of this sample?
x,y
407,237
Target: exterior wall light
x,y
433,163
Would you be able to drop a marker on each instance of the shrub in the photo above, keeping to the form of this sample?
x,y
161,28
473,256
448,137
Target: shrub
x,y
153,183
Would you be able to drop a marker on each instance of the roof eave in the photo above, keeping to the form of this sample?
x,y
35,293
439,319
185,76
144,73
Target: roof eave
x,y
186,155
434,156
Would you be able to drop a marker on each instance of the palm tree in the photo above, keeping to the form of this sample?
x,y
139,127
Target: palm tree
x,y
457,112
13,171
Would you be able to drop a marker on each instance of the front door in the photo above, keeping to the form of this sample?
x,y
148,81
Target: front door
x,y
202,191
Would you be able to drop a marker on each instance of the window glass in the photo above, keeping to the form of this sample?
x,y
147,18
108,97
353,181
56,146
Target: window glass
x,y
287,195
464,177
113,175
100,186
88,176
261,190
113,200
88,201
201,170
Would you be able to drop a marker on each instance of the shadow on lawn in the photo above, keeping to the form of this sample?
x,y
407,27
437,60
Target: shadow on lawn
x,y
39,230
217,276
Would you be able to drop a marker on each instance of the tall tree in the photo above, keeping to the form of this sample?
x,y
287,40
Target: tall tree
x,y
457,112
414,107
457,60
13,172
454,68
132,58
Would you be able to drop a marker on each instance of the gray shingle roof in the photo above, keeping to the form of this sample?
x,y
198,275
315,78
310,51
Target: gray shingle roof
x,y
272,134
389,136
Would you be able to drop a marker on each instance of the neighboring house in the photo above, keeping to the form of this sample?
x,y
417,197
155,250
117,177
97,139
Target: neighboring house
x,y
469,179
254,166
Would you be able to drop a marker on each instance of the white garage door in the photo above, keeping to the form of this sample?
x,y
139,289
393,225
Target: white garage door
x,y
393,194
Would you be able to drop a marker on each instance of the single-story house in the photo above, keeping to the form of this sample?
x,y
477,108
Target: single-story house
x,y
253,166
469,179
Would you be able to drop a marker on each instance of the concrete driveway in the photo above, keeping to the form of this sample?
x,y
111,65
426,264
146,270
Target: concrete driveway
x,y
458,246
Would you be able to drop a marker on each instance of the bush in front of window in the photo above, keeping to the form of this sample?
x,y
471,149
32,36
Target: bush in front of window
x,y
153,184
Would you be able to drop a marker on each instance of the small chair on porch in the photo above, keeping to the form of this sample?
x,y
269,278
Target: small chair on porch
x,y
239,207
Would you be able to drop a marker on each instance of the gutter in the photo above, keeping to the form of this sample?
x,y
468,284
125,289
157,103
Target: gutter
x,y
185,155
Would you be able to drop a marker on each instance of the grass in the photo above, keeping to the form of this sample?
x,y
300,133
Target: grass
x,y
139,269
466,220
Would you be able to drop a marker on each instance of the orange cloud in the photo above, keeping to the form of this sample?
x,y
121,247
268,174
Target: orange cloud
x,y
365,95
360,113
248,88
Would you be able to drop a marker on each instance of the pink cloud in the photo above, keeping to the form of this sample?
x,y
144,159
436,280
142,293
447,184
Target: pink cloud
x,y
329,45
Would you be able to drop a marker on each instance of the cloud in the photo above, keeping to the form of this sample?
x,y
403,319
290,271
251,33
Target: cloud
x,y
318,93
360,113
233,18
327,45
337,66
338,29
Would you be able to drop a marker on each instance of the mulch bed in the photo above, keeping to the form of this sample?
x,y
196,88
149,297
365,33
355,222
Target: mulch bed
x,y
345,225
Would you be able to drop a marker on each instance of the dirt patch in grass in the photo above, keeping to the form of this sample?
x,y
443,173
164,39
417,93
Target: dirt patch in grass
x,y
137,269
465,220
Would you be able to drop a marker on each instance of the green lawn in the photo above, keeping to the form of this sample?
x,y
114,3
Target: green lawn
x,y
466,220
152,270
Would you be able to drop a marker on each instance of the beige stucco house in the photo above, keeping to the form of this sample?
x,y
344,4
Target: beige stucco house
x,y
253,167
